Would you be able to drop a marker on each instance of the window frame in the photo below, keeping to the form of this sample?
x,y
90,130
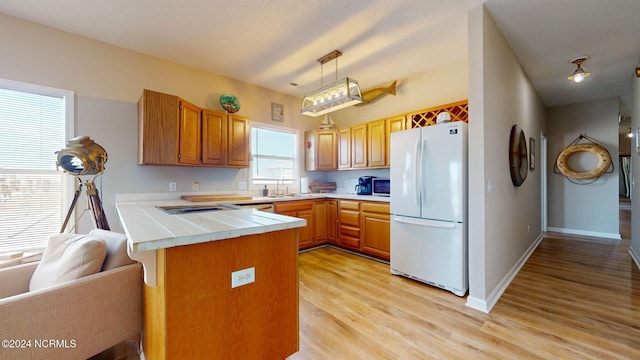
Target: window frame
x,y
260,183
68,96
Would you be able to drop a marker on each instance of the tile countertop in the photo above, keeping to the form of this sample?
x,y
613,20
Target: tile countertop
x,y
149,228
310,196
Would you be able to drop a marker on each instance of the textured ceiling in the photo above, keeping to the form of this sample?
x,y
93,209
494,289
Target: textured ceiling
x,y
273,43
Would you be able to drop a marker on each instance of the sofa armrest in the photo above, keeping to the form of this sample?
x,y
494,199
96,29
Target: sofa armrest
x,y
15,279
82,317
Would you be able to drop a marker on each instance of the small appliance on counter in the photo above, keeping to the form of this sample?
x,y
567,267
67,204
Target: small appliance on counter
x,y
381,187
365,185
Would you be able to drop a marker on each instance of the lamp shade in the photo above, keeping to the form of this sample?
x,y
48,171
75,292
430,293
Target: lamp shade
x,y
338,95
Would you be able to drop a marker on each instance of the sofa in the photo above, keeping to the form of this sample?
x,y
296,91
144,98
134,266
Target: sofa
x,y
77,301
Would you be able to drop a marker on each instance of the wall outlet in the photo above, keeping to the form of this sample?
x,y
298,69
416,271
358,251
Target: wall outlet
x,y
243,277
195,186
242,185
172,186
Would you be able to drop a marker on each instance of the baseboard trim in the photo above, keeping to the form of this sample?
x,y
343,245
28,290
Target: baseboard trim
x,y
485,305
635,257
585,233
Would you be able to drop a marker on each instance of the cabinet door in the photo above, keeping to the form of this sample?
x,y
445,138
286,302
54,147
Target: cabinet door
x,y
376,144
359,146
393,125
319,222
326,150
375,231
332,221
190,138
305,234
158,128
214,138
344,148
239,146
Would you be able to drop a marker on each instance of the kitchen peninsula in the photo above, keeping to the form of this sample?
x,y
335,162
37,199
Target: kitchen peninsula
x,y
219,284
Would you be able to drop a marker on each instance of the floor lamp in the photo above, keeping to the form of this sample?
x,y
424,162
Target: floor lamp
x,y
82,157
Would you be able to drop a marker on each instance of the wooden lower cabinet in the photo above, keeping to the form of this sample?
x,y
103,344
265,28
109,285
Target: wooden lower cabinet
x,y
375,222
303,210
194,313
362,226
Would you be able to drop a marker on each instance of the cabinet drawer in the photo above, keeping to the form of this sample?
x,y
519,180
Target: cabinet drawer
x,y
292,206
351,218
349,205
375,207
349,231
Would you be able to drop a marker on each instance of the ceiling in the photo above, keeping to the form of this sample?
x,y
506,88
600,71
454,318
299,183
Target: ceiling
x,y
274,43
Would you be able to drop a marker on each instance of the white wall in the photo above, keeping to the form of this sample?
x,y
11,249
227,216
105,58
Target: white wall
x,y
504,222
635,169
592,209
444,85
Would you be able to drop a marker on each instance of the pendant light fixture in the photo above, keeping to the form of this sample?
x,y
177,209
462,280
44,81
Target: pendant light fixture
x,y
335,96
579,74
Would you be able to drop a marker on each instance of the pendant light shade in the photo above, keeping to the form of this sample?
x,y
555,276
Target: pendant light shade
x,y
335,96
579,74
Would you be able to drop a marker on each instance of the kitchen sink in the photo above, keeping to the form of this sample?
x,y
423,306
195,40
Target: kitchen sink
x,y
188,209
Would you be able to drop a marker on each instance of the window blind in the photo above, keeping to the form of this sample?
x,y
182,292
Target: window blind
x,y
33,129
274,155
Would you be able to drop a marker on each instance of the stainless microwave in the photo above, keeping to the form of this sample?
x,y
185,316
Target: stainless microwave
x,y
381,187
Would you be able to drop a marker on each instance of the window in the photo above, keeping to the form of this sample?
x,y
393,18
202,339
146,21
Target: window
x,y
33,194
274,155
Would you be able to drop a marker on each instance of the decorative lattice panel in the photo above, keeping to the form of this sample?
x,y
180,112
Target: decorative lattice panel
x,y
459,112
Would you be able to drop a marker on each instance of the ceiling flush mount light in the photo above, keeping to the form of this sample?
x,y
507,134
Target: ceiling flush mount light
x,y
579,74
335,96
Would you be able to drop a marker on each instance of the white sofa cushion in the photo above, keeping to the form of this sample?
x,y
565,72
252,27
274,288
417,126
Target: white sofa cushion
x,y
116,248
68,257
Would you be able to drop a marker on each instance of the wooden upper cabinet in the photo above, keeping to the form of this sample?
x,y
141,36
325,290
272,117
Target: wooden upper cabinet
x,y
392,125
172,131
238,141
158,131
189,138
321,150
214,137
344,148
359,146
376,144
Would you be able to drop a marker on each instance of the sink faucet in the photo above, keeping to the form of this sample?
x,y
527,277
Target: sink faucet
x,y
277,187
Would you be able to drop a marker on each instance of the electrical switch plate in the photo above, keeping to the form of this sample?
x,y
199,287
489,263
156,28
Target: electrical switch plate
x,y
242,185
172,186
195,186
243,277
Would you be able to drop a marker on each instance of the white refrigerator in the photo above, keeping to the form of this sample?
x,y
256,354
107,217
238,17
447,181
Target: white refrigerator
x,y
429,205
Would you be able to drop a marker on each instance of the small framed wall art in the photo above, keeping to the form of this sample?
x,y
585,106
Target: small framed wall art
x,y
277,112
532,154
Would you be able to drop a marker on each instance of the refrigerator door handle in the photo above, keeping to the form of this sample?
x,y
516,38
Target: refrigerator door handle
x,y
423,176
417,174
422,222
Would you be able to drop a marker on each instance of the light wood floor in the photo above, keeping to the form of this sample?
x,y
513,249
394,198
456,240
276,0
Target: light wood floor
x,y
573,299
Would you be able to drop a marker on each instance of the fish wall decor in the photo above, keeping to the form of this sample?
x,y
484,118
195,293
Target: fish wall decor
x,y
375,93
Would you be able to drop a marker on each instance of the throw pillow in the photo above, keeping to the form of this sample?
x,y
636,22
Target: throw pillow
x,y
116,248
68,257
